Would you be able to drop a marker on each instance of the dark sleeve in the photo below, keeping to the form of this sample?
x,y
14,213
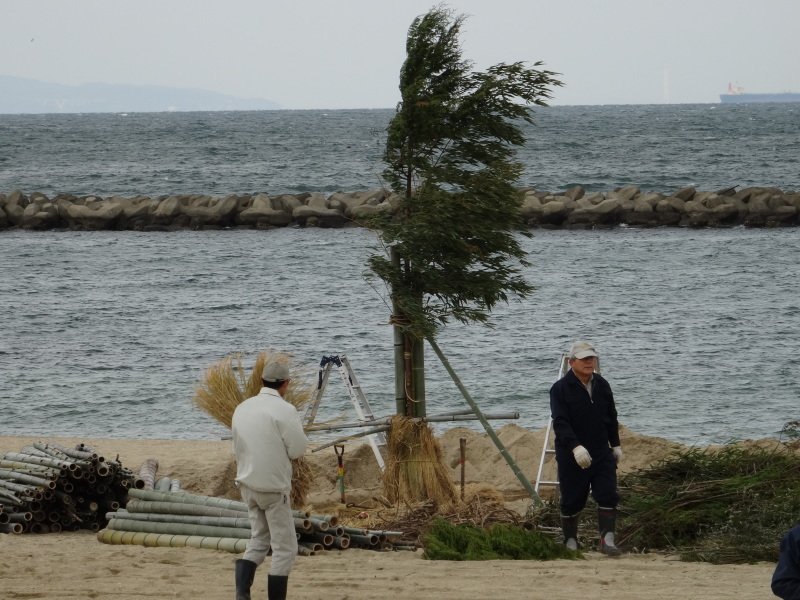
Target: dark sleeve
x,y
611,422
786,579
562,423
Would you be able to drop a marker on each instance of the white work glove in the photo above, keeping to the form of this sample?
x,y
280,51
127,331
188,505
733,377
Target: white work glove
x,y
582,457
618,455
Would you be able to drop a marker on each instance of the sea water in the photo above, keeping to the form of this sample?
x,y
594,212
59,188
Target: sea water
x,y
105,334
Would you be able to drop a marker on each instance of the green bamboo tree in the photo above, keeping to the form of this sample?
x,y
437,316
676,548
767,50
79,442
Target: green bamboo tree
x,y
452,252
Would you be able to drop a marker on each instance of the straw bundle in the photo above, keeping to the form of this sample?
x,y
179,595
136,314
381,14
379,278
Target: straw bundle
x,y
224,386
414,468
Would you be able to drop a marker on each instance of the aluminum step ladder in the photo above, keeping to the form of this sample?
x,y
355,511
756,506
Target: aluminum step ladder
x,y
548,448
376,440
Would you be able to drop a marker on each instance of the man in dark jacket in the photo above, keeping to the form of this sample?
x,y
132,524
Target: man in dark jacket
x,y
786,579
587,446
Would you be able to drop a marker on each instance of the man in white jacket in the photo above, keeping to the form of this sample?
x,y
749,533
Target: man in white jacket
x,y
267,435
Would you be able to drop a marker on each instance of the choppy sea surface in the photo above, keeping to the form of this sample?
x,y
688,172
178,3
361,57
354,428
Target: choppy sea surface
x,y
657,147
104,334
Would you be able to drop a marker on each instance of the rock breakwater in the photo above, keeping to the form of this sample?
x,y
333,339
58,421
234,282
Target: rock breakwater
x,y
570,209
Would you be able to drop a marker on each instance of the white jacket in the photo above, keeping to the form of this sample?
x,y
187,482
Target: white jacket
x,y
267,435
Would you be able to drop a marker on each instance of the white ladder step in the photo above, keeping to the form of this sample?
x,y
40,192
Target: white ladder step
x,y
376,440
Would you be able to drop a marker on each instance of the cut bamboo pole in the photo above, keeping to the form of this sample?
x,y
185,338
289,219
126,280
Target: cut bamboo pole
x,y
367,540
25,478
337,531
22,517
359,531
352,437
457,416
332,520
39,460
175,508
239,523
312,546
90,456
154,540
326,539
178,529
304,524
185,498
319,524
11,528
32,468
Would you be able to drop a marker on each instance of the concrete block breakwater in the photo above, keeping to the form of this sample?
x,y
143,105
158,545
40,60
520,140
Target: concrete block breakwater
x,y
570,209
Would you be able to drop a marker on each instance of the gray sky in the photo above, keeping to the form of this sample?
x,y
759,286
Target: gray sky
x,y
347,53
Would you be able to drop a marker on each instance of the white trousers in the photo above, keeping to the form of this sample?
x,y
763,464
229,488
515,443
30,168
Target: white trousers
x,y
271,525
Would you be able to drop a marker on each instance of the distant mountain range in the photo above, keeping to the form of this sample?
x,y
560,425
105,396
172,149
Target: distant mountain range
x,y
21,95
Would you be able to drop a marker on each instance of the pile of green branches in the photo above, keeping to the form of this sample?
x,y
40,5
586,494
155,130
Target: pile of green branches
x,y
501,541
727,506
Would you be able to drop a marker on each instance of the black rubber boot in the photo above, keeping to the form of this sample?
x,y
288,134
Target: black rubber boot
x,y
276,587
569,525
245,572
606,521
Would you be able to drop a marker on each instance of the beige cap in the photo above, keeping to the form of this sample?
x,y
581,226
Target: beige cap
x,y
275,371
582,350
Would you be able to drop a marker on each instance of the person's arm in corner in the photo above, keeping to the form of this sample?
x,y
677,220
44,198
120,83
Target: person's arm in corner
x,y
786,578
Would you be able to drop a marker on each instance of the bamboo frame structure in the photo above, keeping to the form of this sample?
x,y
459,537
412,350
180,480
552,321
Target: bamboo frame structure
x,y
387,426
499,444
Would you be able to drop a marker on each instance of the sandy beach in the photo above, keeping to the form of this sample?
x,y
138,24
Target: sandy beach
x,y
75,565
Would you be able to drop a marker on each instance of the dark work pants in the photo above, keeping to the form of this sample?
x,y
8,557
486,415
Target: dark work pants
x,y
575,483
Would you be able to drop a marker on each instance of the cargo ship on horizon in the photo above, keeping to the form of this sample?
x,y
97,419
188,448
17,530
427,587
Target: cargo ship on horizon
x,y
736,95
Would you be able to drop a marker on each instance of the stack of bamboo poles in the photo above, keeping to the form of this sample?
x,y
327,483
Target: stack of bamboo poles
x,y
48,487
177,519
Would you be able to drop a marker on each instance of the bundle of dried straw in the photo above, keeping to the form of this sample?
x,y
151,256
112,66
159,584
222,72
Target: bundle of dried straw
x,y
225,385
414,467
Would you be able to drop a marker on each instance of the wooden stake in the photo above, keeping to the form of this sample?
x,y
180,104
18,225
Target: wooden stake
x,y
462,442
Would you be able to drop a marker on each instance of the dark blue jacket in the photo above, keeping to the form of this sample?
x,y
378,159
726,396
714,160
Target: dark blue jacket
x,y
579,420
786,579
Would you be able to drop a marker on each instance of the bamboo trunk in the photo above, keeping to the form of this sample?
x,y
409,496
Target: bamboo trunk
x,y
175,508
238,523
178,529
154,540
188,499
